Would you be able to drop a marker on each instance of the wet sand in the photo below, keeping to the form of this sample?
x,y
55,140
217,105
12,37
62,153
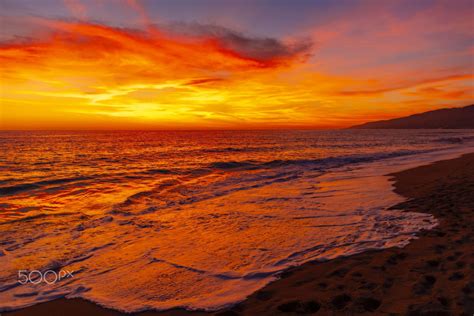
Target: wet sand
x,y
433,275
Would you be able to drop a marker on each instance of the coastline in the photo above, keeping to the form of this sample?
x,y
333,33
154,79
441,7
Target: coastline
x,y
431,274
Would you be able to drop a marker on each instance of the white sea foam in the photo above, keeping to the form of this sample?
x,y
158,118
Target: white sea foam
x,y
207,239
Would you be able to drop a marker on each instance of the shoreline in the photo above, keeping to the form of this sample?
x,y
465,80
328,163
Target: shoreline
x,y
431,274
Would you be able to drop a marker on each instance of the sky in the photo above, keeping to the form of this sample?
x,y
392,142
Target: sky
x,y
214,64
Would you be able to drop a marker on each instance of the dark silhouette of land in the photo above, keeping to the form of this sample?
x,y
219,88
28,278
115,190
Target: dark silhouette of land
x,y
452,118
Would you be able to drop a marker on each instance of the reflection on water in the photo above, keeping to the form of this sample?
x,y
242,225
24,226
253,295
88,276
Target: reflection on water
x,y
195,219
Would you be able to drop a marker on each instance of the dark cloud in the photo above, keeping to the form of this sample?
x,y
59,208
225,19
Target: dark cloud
x,y
203,81
259,48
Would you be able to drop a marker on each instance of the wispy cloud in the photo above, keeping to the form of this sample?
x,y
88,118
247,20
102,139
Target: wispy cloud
x,y
411,84
131,62
77,9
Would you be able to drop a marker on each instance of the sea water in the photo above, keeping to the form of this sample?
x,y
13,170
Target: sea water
x,y
197,219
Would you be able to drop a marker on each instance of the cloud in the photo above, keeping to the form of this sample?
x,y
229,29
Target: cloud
x,y
370,64
259,48
202,81
144,17
405,86
444,93
208,48
76,8
157,73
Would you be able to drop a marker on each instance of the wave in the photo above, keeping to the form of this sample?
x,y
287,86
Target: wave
x,y
224,165
455,139
323,163
197,185
159,171
167,238
14,189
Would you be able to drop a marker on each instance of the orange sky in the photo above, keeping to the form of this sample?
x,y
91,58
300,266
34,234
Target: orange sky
x,y
75,72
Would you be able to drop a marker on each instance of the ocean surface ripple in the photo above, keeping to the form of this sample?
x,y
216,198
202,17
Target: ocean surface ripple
x,y
199,220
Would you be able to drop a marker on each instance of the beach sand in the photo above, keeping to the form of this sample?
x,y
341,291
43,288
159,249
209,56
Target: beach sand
x,y
433,275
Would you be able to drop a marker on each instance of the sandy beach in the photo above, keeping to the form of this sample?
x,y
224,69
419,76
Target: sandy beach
x,y
431,276
227,158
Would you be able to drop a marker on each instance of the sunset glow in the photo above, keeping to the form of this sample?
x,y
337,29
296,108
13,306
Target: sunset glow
x,y
147,65
236,157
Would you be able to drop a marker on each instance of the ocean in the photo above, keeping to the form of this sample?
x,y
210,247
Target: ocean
x,y
197,219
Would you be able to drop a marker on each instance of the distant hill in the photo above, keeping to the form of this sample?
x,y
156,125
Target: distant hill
x,y
458,118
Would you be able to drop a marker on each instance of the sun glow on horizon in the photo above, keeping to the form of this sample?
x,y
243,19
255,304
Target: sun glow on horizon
x,y
78,74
